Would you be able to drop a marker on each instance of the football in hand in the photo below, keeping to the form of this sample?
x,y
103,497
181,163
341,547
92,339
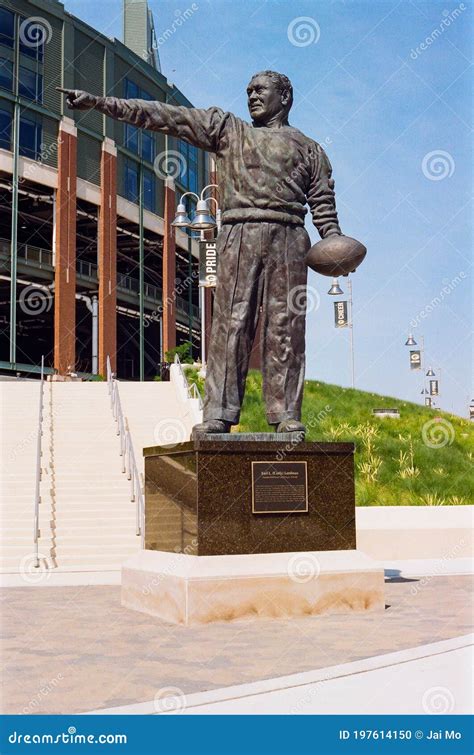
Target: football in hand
x,y
336,255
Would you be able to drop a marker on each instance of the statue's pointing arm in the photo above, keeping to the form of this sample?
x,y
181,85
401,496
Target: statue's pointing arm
x,y
321,197
199,127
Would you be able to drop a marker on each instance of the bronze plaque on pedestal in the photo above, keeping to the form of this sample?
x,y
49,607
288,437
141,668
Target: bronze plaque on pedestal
x,y
279,487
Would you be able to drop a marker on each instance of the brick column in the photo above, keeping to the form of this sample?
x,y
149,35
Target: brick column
x,y
107,257
169,269
65,248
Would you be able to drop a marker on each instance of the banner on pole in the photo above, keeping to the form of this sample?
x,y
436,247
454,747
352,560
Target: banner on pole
x,y
207,263
415,360
341,319
434,388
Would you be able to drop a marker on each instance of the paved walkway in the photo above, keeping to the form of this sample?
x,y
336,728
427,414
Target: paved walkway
x,y
75,649
431,679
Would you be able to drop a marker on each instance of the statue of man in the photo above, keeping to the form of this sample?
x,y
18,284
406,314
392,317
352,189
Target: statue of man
x,y
267,172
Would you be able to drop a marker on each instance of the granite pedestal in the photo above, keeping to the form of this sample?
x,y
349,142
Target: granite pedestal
x,y
249,493
250,525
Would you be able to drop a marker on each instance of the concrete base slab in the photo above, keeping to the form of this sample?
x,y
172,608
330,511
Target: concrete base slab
x,y
187,590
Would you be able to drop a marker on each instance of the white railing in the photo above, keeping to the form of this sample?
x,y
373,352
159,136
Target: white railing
x,y
129,463
192,391
36,531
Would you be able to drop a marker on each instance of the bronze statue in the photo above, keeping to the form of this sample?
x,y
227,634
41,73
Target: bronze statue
x,y
267,172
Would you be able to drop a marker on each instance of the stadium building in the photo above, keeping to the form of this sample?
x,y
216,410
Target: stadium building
x,y
90,265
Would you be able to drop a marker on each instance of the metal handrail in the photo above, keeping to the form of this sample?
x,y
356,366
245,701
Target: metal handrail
x,y
36,530
129,463
29,253
86,269
192,391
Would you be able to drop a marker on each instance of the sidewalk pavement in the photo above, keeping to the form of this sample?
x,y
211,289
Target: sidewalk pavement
x,y
75,649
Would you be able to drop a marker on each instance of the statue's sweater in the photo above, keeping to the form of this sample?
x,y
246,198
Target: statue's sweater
x,y
264,174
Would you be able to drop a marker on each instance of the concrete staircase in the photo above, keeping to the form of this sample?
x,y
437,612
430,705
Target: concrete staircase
x,y
93,523
155,415
87,521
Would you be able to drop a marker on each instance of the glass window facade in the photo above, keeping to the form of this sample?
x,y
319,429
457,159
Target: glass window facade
x,y
131,89
131,138
149,196
132,187
135,139
30,137
6,74
30,84
7,27
189,176
131,181
5,129
148,146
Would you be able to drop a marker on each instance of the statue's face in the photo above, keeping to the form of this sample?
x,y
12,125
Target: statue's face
x,y
264,99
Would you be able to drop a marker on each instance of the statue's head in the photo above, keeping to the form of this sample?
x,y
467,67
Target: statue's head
x,y
269,95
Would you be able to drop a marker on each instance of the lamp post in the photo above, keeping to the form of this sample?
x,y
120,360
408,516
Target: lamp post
x,y
351,331
141,272
430,373
14,230
336,290
203,221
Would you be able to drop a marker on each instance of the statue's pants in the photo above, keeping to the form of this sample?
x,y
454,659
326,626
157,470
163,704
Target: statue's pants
x,y
259,265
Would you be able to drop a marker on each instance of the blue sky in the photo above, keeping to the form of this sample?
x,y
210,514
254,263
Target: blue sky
x,y
385,86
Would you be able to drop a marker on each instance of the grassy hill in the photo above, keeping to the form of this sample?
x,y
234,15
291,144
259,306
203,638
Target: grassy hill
x,y
423,458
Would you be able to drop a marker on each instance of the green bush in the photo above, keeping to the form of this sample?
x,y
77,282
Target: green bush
x,y
184,352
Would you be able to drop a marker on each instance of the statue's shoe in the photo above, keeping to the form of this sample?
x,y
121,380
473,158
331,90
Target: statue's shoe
x,y
291,426
211,426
